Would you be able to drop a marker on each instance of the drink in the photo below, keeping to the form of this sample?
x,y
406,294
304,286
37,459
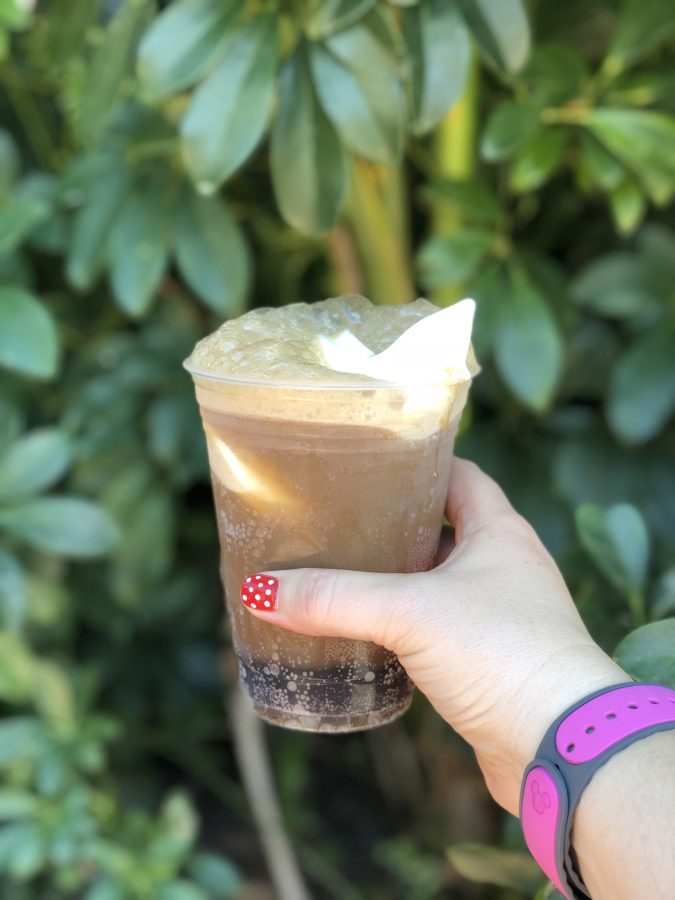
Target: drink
x,y
339,471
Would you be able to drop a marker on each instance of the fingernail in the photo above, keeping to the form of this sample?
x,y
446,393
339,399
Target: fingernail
x,y
260,592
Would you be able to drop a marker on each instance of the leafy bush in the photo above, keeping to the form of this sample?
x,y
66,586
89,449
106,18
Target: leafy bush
x,y
147,158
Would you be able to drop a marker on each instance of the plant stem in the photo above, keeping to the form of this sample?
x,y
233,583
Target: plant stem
x,y
30,117
377,218
258,778
572,115
455,155
455,138
636,602
343,256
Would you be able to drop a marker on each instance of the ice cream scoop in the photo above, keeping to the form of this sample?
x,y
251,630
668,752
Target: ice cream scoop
x,y
434,350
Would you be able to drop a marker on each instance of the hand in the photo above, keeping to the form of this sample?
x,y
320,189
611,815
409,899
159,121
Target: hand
x,y
491,635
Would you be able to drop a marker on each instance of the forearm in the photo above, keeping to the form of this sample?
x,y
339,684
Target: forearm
x,y
624,827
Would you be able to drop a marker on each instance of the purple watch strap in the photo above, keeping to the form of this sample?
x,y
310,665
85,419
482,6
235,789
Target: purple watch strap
x,y
578,743
604,721
543,813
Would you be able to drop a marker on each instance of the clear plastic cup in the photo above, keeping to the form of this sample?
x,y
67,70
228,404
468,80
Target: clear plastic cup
x,y
350,476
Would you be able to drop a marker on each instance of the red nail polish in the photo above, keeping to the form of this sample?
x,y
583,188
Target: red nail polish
x,y
260,592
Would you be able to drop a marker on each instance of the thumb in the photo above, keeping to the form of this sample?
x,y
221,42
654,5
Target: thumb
x,y
388,609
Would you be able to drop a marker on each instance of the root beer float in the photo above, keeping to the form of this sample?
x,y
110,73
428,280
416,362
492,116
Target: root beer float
x,y
330,430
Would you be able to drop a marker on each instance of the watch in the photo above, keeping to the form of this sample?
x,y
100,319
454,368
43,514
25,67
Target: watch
x,y
578,743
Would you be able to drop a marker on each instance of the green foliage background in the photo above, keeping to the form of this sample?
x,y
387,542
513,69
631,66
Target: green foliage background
x,y
163,168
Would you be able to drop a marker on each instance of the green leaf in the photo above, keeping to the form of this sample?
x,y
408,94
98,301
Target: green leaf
x,y
358,80
52,233
601,168
53,694
94,220
365,101
309,168
105,74
105,890
648,653
644,89
66,27
446,259
628,205
10,164
168,419
173,436
18,219
9,13
377,36
66,526
24,851
229,112
527,345
642,140
15,14
657,247
217,875
508,126
501,30
16,270
16,804
328,16
181,890
211,253
143,508
47,602
439,48
474,199
617,286
11,423
373,44
488,290
513,869
28,339
641,395
138,247
617,541
183,43
33,463
642,26
663,599
19,735
12,593
537,160
180,819
52,774
17,670
554,74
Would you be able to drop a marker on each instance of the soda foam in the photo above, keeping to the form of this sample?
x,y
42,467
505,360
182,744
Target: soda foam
x,y
285,344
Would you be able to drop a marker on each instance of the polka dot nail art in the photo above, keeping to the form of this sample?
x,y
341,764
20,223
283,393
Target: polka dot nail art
x,y
260,592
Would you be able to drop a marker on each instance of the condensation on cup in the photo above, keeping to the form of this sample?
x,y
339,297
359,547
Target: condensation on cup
x,y
330,444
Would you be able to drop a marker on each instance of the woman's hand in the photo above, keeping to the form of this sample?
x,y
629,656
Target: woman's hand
x,y
491,635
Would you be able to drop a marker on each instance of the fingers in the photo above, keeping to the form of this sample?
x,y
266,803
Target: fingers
x,y
387,609
473,498
394,610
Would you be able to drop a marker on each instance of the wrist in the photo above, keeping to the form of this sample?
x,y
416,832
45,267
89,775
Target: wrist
x,y
566,677
622,816
576,750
